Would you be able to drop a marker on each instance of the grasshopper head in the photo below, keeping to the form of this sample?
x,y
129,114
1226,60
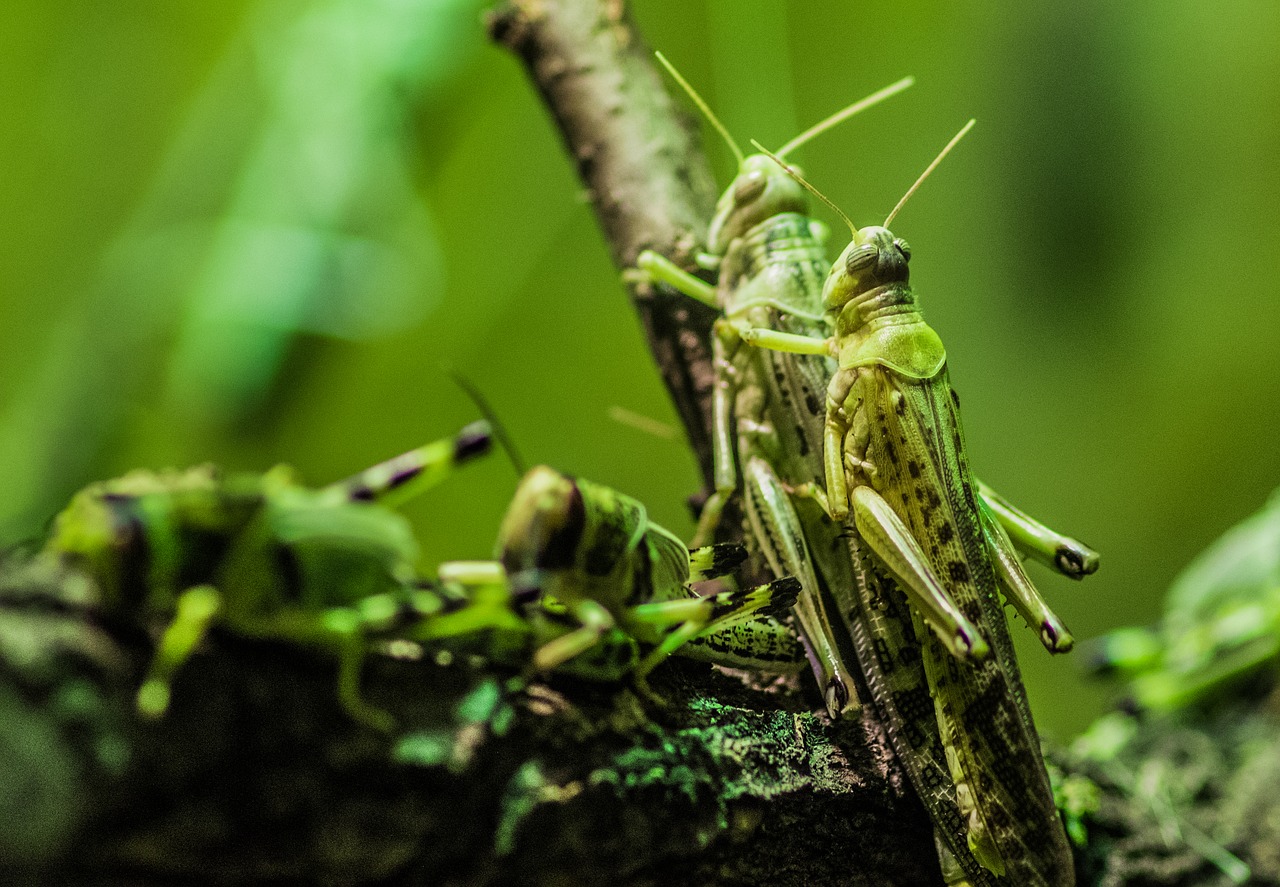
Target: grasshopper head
x,y
543,527
873,258
761,189
113,530
95,533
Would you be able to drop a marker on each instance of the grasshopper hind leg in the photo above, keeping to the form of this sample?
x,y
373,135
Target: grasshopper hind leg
x,y
1068,556
408,475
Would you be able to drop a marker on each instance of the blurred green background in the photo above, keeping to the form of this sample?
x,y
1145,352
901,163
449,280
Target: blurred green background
x,y
260,230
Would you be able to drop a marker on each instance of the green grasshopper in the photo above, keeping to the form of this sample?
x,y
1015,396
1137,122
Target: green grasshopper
x,y
1221,625
260,555
931,555
771,264
587,570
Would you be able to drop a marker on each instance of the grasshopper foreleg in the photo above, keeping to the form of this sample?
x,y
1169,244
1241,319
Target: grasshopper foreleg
x,y
196,610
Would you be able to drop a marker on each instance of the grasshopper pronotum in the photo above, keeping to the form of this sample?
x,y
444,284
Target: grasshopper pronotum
x,y
933,557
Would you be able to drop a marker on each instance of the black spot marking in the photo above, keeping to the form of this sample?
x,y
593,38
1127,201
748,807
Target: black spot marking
x,y
129,538
613,533
403,475
955,398
474,440
913,468
785,593
562,544
1069,562
802,441
641,582
946,532
959,571
934,499
890,452
899,404
814,404
726,557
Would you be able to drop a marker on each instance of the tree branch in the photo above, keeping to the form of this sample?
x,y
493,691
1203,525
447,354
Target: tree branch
x,y
641,162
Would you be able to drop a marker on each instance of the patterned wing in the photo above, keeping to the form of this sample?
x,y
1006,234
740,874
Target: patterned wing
x,y
990,743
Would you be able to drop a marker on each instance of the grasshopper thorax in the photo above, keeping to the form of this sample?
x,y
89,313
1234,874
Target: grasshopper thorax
x,y
873,263
761,190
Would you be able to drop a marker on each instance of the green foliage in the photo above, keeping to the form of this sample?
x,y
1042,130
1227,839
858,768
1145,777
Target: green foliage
x,y
1107,367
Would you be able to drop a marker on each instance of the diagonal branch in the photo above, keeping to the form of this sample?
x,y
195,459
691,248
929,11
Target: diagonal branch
x,y
642,164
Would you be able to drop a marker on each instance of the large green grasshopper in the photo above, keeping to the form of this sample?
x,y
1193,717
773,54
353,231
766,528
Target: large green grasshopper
x,y
260,555
591,575
771,265
932,557
1221,625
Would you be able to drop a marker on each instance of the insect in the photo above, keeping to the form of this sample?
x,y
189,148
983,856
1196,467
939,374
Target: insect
x,y
260,555
1221,625
582,563
771,265
932,554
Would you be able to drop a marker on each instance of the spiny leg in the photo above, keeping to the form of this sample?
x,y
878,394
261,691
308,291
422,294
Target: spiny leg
x,y
1068,556
1018,587
399,479
892,541
195,611
700,616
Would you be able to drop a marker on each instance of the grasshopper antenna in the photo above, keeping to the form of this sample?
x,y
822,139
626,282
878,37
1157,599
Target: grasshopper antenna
x,y
702,106
499,430
930,168
844,114
789,170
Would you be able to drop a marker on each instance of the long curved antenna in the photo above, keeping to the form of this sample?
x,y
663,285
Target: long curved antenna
x,y
844,114
499,430
930,168
789,170
702,106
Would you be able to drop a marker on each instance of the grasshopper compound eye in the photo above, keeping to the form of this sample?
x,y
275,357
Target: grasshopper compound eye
x,y
860,259
749,186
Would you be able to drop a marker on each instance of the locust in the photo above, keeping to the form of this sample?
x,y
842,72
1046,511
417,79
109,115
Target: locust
x,y
768,407
932,555
603,592
771,262
1220,628
261,556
